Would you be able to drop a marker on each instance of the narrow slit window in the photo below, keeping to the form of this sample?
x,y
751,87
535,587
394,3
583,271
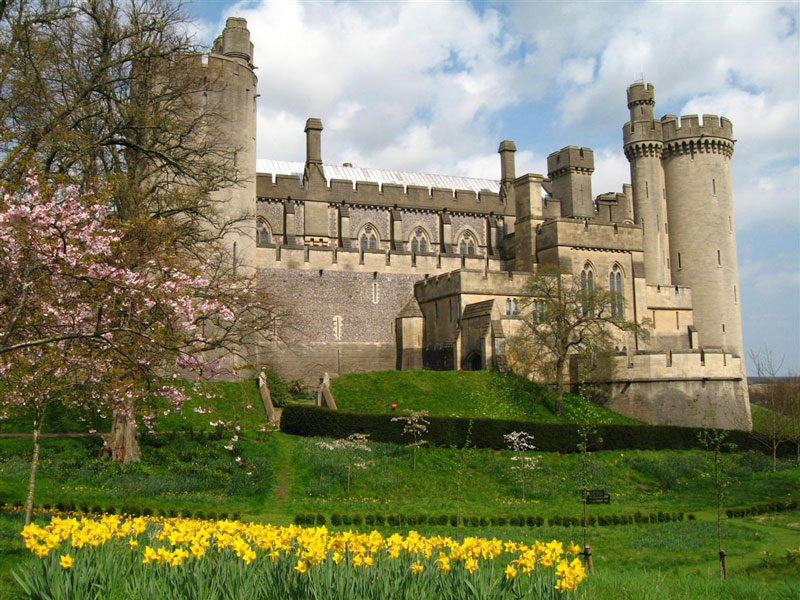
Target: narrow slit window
x,y
713,187
719,259
647,189
679,260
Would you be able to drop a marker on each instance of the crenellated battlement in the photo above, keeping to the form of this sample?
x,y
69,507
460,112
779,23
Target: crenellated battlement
x,y
642,138
388,195
571,159
641,93
677,366
689,126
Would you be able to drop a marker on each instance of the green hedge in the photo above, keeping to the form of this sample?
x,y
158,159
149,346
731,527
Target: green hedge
x,y
403,520
488,433
762,509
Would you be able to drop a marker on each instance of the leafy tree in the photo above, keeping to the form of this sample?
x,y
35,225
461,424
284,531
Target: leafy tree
x,y
563,318
112,94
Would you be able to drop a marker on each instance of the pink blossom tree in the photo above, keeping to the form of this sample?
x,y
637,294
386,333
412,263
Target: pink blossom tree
x,y
94,312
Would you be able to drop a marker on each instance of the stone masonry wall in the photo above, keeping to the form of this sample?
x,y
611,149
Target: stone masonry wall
x,y
337,321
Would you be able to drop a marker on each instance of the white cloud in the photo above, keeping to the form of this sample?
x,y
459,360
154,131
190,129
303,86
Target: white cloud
x,y
396,85
611,169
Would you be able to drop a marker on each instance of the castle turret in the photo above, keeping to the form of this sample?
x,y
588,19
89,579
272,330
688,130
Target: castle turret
x,y
643,148
232,99
696,161
570,170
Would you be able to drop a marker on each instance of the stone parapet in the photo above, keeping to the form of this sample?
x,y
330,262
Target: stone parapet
x,y
471,282
579,233
387,195
669,297
275,256
692,365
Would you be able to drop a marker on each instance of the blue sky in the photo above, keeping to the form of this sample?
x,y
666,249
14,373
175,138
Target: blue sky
x,y
435,86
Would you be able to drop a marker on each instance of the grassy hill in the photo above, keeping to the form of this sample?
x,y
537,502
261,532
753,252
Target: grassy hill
x,y
471,394
285,475
230,401
187,468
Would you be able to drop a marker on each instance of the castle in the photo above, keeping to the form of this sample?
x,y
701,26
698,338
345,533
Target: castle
x,y
394,270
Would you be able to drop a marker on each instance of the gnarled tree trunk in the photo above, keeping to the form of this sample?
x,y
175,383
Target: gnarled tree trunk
x,y
121,444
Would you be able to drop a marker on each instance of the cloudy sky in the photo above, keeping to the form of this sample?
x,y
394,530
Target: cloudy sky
x,y
435,86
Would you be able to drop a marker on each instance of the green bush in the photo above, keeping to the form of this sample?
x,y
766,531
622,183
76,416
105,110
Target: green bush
x,y
488,433
278,390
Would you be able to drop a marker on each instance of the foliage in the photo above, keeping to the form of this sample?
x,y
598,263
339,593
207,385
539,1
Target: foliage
x,y
488,433
185,559
351,450
566,316
415,426
522,464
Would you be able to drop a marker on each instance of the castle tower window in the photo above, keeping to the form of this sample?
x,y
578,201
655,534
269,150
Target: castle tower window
x,y
719,259
419,241
263,235
679,260
508,306
587,289
368,239
713,187
467,245
514,307
615,287
375,292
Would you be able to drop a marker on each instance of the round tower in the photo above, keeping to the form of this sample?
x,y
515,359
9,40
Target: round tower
x,y
696,161
231,99
643,147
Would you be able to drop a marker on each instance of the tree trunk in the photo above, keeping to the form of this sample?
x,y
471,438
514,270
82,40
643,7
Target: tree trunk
x,y
559,387
121,443
774,457
37,425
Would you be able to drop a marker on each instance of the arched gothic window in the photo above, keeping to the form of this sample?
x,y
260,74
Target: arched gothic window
x,y
514,307
587,289
615,287
508,306
368,240
467,245
263,235
419,241
537,311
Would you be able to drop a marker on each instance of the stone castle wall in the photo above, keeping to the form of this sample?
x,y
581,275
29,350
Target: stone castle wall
x,y
336,322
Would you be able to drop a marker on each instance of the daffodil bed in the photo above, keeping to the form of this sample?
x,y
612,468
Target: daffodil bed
x,y
117,557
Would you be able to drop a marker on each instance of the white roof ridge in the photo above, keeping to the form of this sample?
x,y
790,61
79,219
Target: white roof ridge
x,y
382,176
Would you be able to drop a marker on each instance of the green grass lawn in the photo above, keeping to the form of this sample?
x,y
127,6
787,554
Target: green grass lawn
x,y
291,475
231,401
281,476
470,394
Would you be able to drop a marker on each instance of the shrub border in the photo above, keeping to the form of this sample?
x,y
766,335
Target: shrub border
x,y
312,421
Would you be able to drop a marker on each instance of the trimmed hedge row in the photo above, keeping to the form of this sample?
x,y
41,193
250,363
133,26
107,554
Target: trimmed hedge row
x,y
401,520
761,509
130,510
488,433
